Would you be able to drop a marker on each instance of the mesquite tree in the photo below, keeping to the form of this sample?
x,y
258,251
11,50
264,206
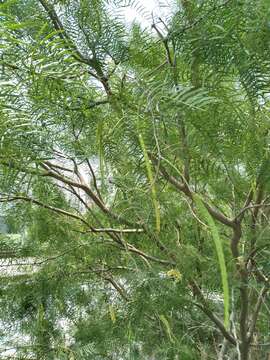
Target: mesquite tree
x,y
135,165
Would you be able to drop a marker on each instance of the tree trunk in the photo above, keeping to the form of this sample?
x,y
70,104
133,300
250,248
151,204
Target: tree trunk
x,y
244,351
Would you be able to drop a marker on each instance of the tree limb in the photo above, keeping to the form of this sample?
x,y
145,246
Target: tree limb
x,y
204,306
184,188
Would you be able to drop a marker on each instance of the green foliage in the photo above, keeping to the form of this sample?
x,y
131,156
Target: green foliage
x,y
119,143
218,244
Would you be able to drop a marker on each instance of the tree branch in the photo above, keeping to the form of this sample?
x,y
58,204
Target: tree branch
x,y
200,19
184,188
117,231
58,26
49,207
117,287
94,178
69,214
256,312
88,191
204,306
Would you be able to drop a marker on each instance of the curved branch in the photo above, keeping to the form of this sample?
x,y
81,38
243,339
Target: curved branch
x,y
89,192
46,206
184,188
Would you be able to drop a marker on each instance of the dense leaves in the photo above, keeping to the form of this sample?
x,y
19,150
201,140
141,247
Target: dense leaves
x,y
125,151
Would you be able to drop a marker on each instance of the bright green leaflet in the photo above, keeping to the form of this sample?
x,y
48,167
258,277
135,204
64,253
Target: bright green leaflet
x,y
151,180
218,243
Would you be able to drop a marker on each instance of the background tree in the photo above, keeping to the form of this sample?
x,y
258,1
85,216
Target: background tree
x,y
135,165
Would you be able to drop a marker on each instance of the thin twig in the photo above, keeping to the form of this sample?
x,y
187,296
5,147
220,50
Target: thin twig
x,y
256,312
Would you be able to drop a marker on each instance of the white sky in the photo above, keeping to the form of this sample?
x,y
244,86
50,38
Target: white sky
x,y
143,12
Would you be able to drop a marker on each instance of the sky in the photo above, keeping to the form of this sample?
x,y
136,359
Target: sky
x,y
143,12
